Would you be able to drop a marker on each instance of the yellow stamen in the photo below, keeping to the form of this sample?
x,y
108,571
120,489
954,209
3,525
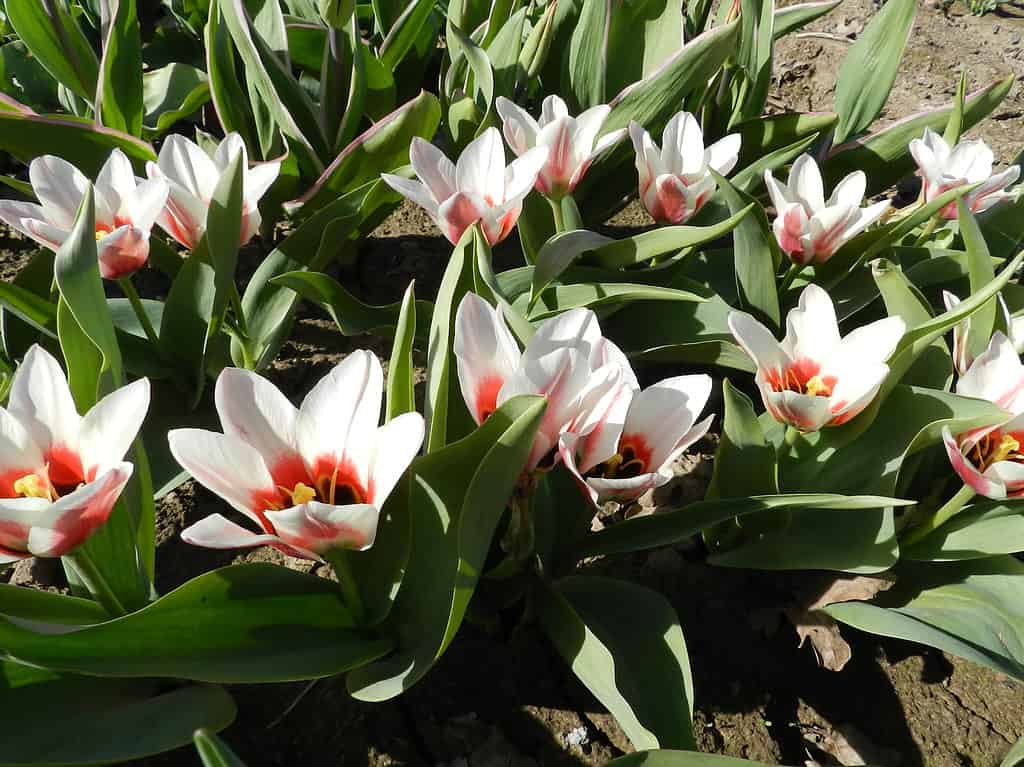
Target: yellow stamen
x,y
302,494
32,486
1007,446
816,386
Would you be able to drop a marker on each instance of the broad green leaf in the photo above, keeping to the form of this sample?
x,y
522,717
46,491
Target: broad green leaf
x,y
670,527
22,77
588,54
83,359
170,94
30,308
878,50
188,313
222,236
793,17
229,97
504,52
753,77
119,92
94,717
955,124
624,643
245,623
980,274
1016,756
401,397
751,178
663,758
469,63
562,298
972,609
459,494
977,531
46,607
402,35
56,40
560,252
764,135
214,752
641,38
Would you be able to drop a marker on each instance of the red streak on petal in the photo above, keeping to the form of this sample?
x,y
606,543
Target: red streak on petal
x,y
486,400
75,526
9,477
65,468
13,537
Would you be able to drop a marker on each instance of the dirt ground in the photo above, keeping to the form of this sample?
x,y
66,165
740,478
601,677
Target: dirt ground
x,y
507,700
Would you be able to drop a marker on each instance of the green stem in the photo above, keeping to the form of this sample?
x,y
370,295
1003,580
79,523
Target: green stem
x,y
556,213
929,228
791,275
96,583
140,311
790,440
347,581
940,516
236,305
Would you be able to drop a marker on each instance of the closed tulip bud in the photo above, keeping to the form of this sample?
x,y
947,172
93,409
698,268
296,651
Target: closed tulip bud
x,y
336,13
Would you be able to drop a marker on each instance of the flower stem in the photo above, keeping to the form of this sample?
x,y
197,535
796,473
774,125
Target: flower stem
x,y
790,440
940,516
96,583
791,275
140,311
338,559
556,213
928,229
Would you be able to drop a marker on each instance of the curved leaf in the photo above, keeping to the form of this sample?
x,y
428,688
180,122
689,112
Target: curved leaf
x,y
54,38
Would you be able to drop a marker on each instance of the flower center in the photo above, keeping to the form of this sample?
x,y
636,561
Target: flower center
x,y
995,447
35,486
631,461
803,377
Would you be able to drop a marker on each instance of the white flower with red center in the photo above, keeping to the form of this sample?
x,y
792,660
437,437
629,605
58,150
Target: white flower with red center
x,y
622,458
126,208
313,478
970,162
192,176
674,180
814,378
567,361
479,187
61,473
990,460
809,228
962,357
572,142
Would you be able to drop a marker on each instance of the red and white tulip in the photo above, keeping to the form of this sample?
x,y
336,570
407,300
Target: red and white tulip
x,y
572,142
962,357
619,459
990,460
192,176
809,228
814,378
61,473
312,478
567,361
674,180
942,168
479,187
126,208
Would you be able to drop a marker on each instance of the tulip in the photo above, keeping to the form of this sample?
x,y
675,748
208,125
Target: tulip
x,y
192,176
626,458
61,473
567,361
479,187
313,478
572,142
808,228
126,208
675,181
969,162
962,357
813,378
989,460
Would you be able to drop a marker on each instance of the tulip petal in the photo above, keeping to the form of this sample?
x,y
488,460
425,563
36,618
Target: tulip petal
x,y
258,179
519,128
865,217
146,202
110,427
29,218
855,388
996,375
682,145
1009,474
757,341
320,527
568,445
116,182
874,342
624,490
395,445
435,170
41,400
218,532
480,170
778,192
521,174
988,487
189,167
790,227
724,153
412,190
552,108
455,215
662,414
574,328
122,252
19,454
812,331
603,352
59,186
672,203
826,226
927,163
804,411
486,354
230,147
805,183
603,407
850,191
255,411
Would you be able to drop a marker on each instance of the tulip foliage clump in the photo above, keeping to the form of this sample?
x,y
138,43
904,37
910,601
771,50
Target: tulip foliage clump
x,y
190,172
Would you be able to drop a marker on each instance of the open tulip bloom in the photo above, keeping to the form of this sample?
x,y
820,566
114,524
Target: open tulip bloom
x,y
674,180
814,378
313,479
990,460
572,142
479,187
809,228
126,208
192,176
619,459
567,361
61,473
970,162
962,357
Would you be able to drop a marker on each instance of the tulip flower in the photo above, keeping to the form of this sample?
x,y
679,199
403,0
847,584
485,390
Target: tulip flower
x,y
126,208
61,473
970,162
989,460
567,361
814,378
314,478
192,176
674,180
962,357
479,187
624,459
572,142
809,229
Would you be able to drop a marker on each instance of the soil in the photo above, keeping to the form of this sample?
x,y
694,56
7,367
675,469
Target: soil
x,y
507,699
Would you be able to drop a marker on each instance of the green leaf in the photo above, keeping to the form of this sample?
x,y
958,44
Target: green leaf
x,y
188,313
641,38
94,715
1016,756
588,54
402,35
878,50
764,135
970,609
214,752
793,17
401,383
22,77
670,527
562,298
745,461
463,49
754,59
977,531
223,234
170,94
560,252
624,643
50,32
980,273
663,758
119,96
48,607
229,98
459,494
955,124
246,623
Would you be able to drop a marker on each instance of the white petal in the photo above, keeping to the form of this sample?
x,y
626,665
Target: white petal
x,y
29,218
485,352
874,342
805,412
575,328
724,153
778,192
434,169
319,527
519,127
110,427
996,375
805,183
967,471
146,202
850,191
568,445
623,490
256,412
757,341
230,147
927,163
412,190
551,109
605,352
41,400
521,174
188,166
855,388
970,160
812,331
480,170
865,217
122,252
395,444
218,532
60,187
662,414
258,179
588,126
602,414
19,454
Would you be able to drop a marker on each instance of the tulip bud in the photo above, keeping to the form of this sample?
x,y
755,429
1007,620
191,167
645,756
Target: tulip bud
x,y
336,13
538,45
